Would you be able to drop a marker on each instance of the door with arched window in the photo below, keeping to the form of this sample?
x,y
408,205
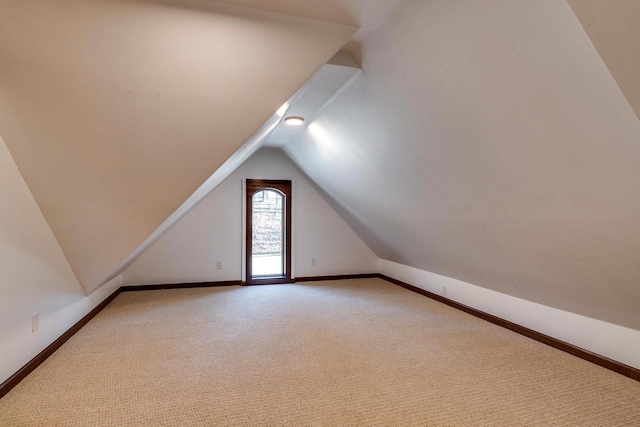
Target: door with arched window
x,y
268,232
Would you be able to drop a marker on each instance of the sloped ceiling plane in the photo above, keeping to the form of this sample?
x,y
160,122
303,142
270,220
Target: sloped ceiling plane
x,y
116,111
487,141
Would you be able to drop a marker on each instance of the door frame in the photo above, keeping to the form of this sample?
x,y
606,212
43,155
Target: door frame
x,y
252,186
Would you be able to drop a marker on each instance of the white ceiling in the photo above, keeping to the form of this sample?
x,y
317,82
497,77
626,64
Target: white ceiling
x,y
312,97
488,142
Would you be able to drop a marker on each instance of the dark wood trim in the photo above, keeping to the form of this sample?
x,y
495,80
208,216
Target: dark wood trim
x,y
597,359
267,281
251,187
312,279
133,288
337,277
605,362
14,379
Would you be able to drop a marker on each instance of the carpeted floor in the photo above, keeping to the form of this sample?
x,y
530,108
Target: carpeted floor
x,y
352,352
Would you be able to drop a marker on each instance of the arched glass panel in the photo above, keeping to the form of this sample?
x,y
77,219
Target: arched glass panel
x,y
267,234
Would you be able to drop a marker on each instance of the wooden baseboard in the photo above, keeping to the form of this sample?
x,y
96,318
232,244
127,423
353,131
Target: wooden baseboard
x,y
605,362
613,365
13,380
336,277
133,288
311,279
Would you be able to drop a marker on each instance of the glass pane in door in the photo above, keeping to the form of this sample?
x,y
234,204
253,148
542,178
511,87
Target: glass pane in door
x,y
267,234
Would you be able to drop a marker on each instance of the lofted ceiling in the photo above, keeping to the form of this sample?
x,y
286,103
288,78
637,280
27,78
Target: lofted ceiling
x,y
116,111
488,142
485,141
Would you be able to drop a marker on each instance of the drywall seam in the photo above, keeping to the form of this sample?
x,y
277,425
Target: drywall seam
x,y
616,342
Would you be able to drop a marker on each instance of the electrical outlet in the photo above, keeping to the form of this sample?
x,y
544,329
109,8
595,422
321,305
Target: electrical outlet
x,y
313,262
219,265
35,322
444,290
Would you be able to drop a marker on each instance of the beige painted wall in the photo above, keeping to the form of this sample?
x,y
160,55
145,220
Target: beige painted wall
x,y
212,232
36,277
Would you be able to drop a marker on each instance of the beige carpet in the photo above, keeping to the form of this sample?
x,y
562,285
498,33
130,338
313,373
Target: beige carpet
x,y
352,352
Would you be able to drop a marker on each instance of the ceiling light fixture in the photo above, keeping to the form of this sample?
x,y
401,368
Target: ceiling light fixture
x,y
294,121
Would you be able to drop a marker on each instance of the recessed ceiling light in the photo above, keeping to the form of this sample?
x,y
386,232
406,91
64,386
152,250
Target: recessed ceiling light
x,y
294,121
